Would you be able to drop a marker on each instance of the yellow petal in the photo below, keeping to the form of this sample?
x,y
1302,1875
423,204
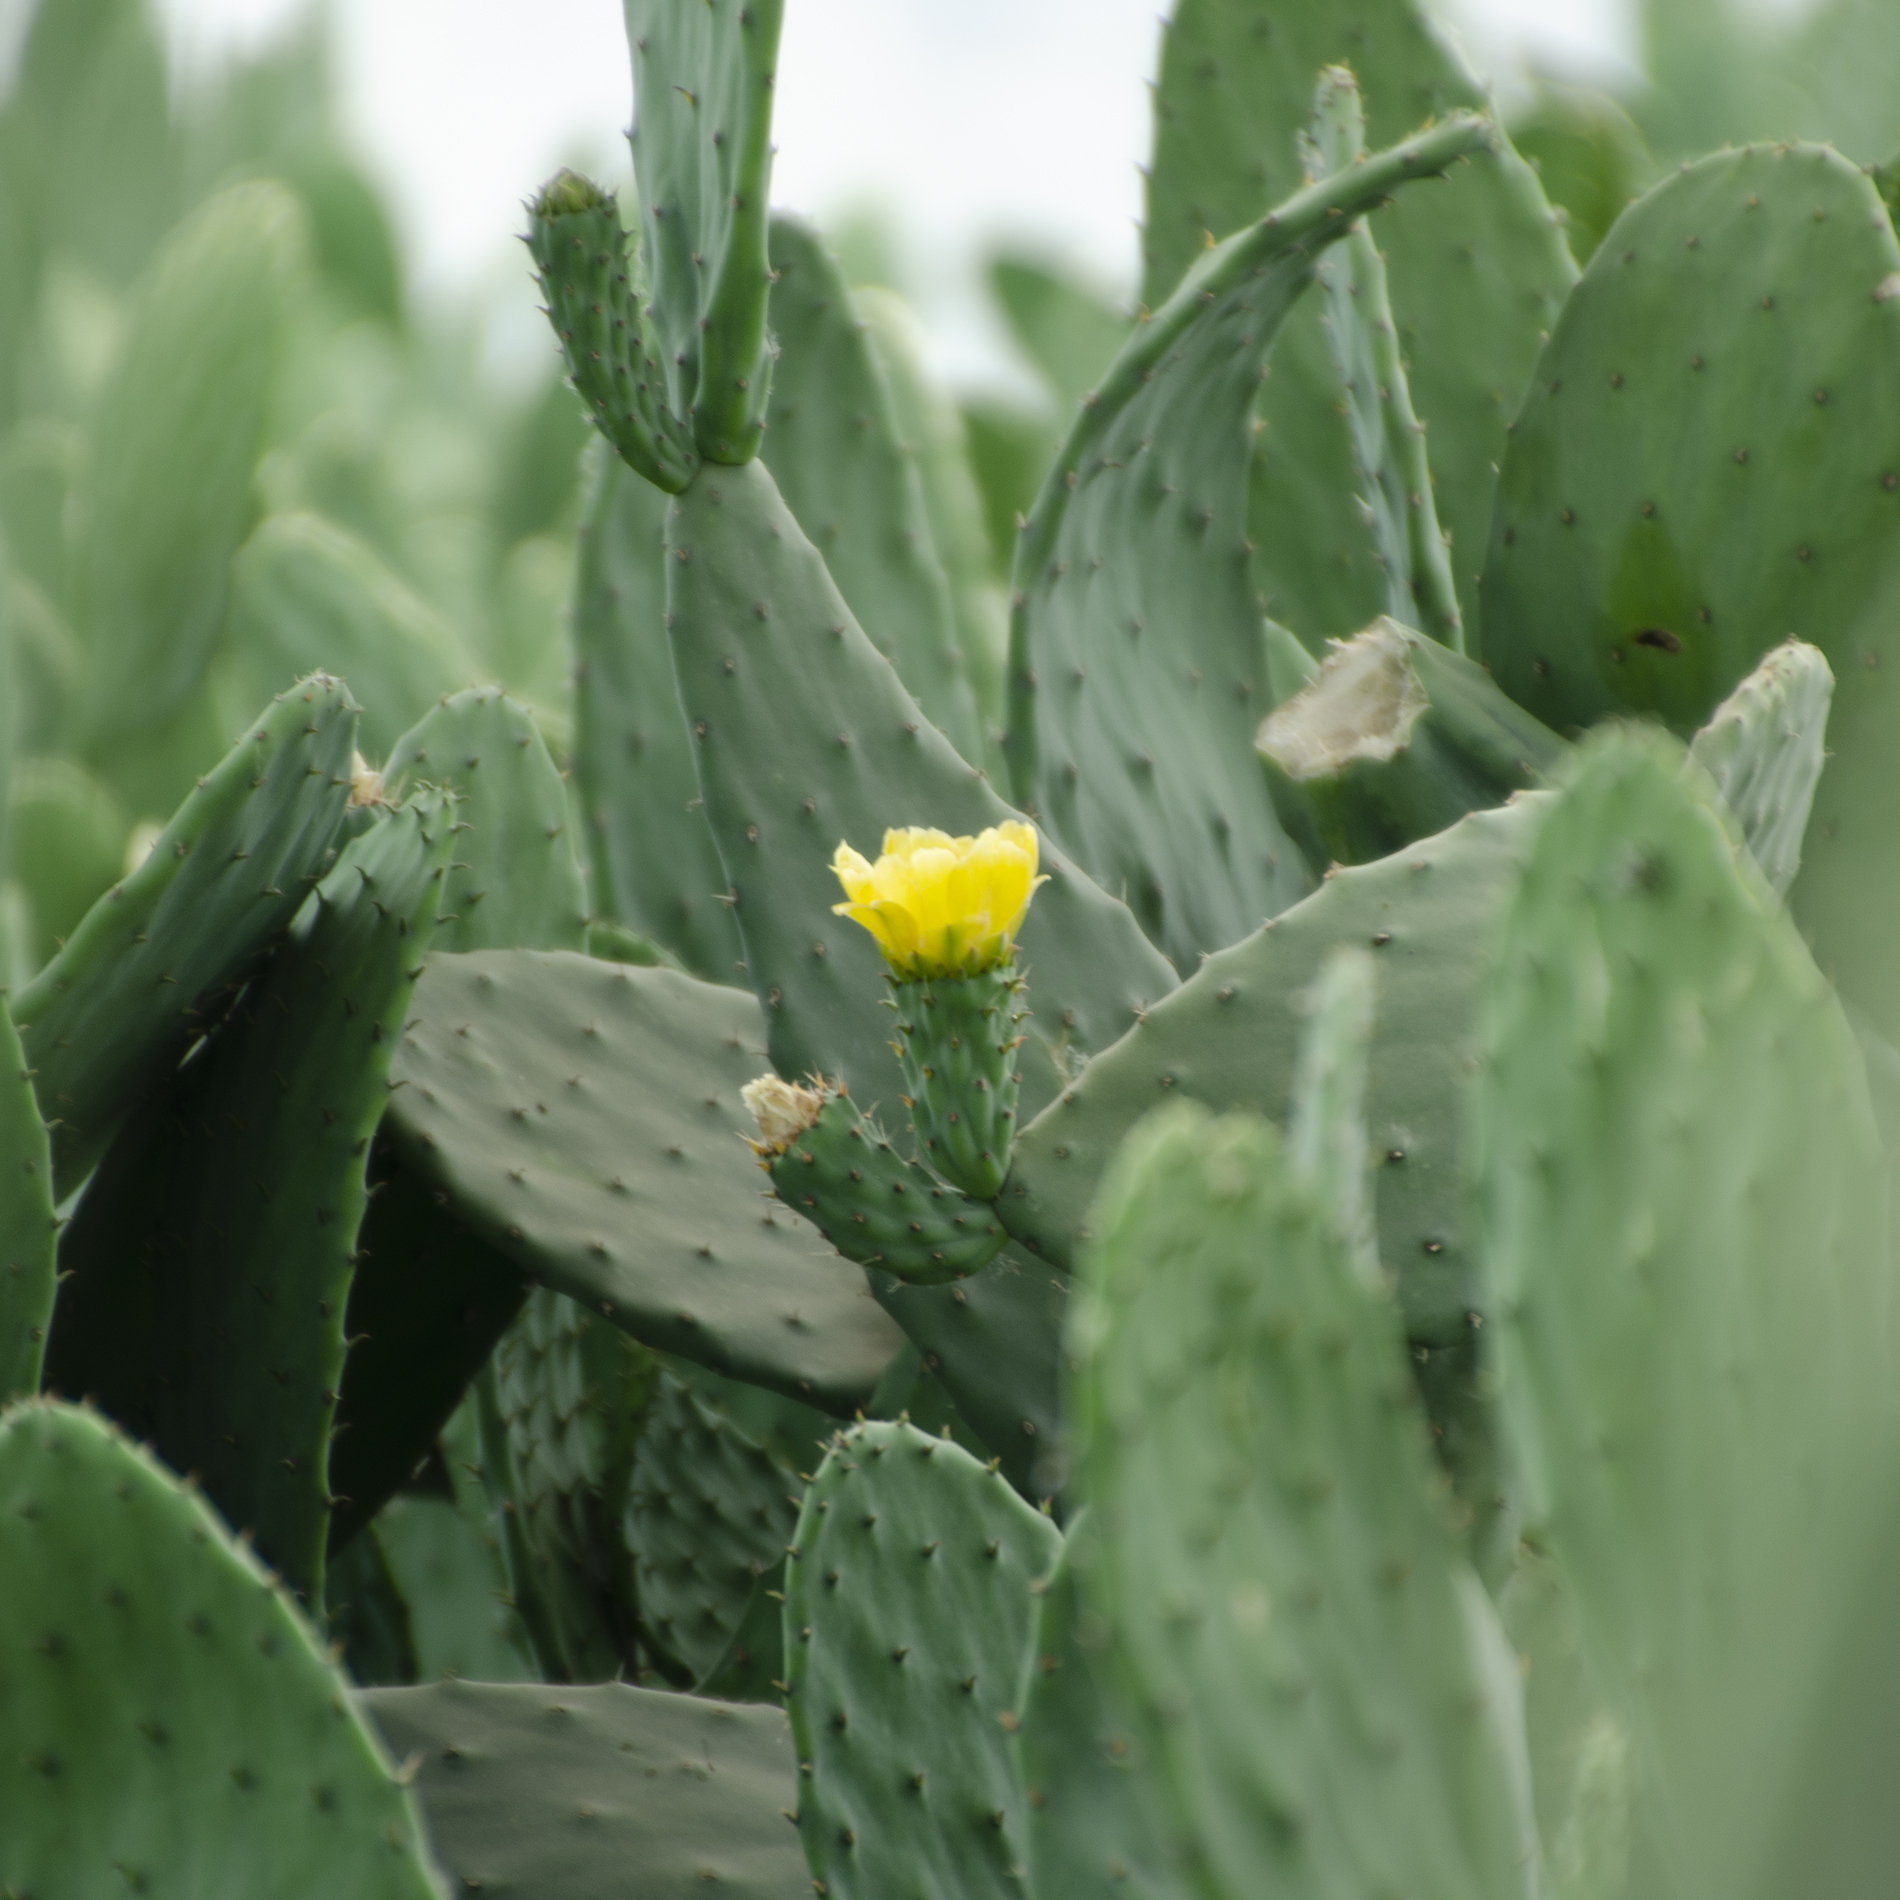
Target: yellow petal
x,y
853,871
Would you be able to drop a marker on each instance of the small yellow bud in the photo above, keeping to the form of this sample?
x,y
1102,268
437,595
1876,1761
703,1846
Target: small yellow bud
x,y
783,1111
938,905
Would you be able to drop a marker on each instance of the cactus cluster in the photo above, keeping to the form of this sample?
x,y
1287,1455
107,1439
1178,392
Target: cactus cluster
x,y
1292,1289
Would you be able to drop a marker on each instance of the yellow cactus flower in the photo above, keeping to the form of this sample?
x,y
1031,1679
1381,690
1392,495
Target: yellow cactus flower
x,y
938,905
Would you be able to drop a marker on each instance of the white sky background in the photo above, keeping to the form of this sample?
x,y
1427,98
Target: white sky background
x,y
967,121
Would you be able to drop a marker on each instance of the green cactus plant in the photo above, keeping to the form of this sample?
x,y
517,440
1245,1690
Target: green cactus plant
x,y
1402,1193
428,1303
838,1168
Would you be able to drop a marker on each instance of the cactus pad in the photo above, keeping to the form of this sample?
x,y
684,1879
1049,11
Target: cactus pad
x,y
994,1341
538,1790
908,1611
1701,469
1764,747
584,1119
655,866
708,1518
427,1303
1388,440
1229,1036
212,1256
110,1016
569,1391
514,882
170,1724
1136,667
702,151
1396,739
597,303
1477,269
1320,1679
1095,1807
1651,1020
834,450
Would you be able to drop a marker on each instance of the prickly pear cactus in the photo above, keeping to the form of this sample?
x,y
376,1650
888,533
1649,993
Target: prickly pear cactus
x,y
989,1141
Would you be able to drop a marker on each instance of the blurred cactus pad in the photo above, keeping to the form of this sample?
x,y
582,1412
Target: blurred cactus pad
x,y
768,1129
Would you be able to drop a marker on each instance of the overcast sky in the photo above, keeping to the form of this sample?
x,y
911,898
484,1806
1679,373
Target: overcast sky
x,y
968,120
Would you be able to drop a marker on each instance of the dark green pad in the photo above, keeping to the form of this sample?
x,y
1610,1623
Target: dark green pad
x,y
210,1261
569,1392
1477,268
709,1514
805,736
995,1341
427,1304
1229,1038
597,303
